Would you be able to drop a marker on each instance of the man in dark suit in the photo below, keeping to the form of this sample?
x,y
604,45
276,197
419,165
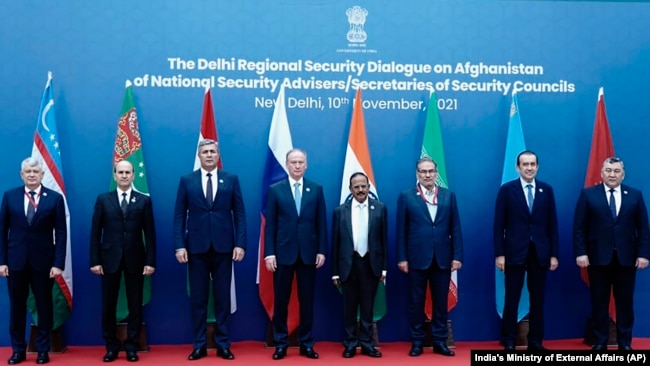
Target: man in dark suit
x,y
359,261
209,234
612,240
429,248
33,236
296,242
120,220
525,241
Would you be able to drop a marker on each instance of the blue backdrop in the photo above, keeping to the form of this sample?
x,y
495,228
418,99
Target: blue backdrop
x,y
573,48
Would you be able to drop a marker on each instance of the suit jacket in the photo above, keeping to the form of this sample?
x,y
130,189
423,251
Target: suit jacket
x,y
114,234
343,239
41,244
419,239
596,233
197,225
286,233
515,226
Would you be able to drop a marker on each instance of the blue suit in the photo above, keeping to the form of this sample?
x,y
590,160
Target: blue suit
x,y
528,240
30,251
209,233
612,245
295,238
429,247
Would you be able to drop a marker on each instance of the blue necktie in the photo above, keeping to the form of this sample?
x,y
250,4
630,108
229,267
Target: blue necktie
x,y
612,203
530,197
124,204
297,196
31,210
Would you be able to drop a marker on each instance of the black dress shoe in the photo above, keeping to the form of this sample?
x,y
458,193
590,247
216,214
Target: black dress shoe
x,y
599,347
349,352
308,352
442,349
415,351
42,358
132,356
280,353
370,351
624,348
536,347
110,356
197,354
16,358
225,353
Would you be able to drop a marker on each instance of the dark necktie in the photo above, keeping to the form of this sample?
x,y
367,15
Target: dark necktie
x,y
31,210
209,196
612,203
530,197
124,204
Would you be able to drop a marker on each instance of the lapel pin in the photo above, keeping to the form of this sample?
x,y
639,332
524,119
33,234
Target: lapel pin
x,y
132,199
418,193
541,190
307,189
372,207
624,192
45,194
221,181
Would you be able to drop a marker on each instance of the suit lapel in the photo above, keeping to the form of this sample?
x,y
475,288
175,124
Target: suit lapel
x,y
43,201
347,217
421,203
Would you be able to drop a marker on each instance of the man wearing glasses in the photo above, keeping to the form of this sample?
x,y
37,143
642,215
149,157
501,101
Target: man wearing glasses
x,y
429,248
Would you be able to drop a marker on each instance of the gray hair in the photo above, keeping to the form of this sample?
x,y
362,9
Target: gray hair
x,y
207,142
295,150
31,162
614,160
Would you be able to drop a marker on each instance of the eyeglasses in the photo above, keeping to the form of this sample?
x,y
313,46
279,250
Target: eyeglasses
x,y
425,172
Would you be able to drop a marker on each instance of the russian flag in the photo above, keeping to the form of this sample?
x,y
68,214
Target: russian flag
x,y
275,171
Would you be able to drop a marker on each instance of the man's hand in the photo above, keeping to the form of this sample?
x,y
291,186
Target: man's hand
x,y
336,282
641,263
238,254
500,263
98,270
455,265
55,272
554,263
403,266
320,260
582,261
148,270
181,256
271,264
4,271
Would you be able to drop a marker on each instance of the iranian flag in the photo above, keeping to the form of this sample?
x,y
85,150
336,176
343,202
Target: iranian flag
x,y
46,149
128,146
432,147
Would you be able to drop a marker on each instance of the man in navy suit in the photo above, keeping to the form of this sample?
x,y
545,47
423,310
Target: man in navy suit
x,y
429,248
525,241
120,219
296,242
612,240
359,261
209,234
33,236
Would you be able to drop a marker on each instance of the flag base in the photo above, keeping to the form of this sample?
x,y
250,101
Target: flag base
x,y
522,334
428,341
293,337
121,336
589,334
58,343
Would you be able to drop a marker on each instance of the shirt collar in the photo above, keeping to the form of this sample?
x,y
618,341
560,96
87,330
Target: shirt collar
x,y
524,183
426,191
616,189
119,192
205,172
356,203
37,190
292,182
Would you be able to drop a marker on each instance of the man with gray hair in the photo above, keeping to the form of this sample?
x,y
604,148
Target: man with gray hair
x,y
209,234
33,236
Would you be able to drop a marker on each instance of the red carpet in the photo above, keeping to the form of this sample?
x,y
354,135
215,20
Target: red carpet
x,y
255,353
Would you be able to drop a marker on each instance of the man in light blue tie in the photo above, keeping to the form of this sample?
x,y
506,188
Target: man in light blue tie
x,y
525,241
296,242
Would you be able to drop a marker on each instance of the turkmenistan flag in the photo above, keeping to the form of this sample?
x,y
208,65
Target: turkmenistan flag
x,y
128,146
432,147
